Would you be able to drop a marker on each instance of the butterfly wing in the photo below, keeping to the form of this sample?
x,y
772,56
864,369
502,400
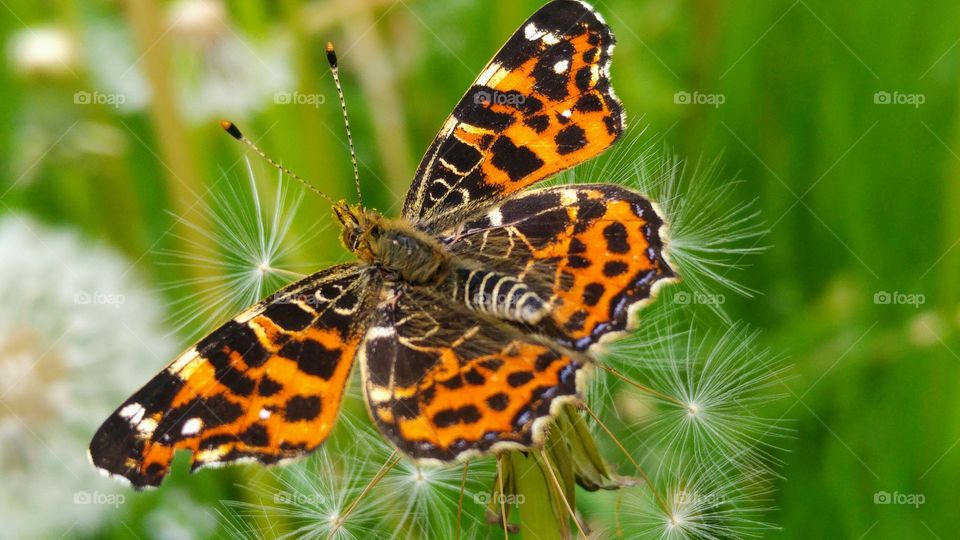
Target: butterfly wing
x,y
596,252
443,383
267,385
542,105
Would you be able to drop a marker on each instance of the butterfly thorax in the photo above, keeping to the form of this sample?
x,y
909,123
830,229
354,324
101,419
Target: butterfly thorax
x,y
392,245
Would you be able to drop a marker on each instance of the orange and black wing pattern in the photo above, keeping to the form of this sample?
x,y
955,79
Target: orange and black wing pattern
x,y
267,385
595,253
443,383
542,105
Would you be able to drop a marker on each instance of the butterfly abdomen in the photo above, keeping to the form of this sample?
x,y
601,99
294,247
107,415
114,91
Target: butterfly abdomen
x,y
500,295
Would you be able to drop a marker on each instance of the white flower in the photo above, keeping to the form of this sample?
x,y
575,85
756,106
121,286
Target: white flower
x,y
77,335
220,71
216,70
44,50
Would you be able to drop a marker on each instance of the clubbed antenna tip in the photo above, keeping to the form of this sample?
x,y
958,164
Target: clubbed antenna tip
x,y
232,129
331,55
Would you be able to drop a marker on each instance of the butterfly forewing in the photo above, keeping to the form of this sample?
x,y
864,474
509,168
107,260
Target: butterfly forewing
x,y
266,385
542,105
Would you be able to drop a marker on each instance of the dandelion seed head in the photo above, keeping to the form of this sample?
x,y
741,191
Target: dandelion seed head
x,y
243,254
711,232
77,330
699,501
710,398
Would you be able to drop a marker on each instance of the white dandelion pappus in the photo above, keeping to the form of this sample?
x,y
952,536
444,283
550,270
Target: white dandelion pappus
x,y
246,259
707,404
77,331
700,501
711,232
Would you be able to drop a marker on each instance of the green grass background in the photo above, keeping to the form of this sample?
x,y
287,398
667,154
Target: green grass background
x,y
859,197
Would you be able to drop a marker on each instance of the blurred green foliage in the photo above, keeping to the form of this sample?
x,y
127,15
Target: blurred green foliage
x,y
861,197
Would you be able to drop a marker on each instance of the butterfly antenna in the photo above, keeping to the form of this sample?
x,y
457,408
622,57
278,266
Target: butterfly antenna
x,y
234,132
335,70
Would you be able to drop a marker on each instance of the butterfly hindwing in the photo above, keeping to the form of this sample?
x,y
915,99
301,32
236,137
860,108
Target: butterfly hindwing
x,y
594,252
542,105
266,385
442,382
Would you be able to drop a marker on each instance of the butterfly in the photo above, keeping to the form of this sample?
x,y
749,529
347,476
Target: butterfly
x,y
472,317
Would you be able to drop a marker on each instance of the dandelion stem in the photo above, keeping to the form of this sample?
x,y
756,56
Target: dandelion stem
x,y
463,487
641,387
503,498
660,501
389,464
563,496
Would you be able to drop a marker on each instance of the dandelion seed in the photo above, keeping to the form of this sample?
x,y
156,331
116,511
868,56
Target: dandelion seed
x,y
710,399
702,502
309,500
253,244
432,496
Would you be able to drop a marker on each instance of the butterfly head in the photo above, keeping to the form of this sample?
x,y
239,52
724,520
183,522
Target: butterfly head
x,y
357,225
391,245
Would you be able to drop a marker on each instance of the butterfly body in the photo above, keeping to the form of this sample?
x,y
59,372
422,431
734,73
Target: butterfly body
x,y
471,317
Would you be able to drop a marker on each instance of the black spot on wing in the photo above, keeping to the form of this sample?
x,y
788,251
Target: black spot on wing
x,y
474,109
545,225
614,268
589,103
519,378
538,123
268,387
459,154
584,78
517,161
288,316
312,357
302,408
233,337
255,435
547,81
498,401
570,139
592,294
616,236
406,408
